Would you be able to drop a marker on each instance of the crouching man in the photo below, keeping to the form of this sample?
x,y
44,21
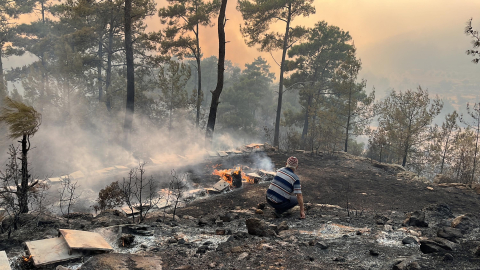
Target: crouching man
x,y
285,191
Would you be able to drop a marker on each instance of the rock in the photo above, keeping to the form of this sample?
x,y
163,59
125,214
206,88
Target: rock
x,y
435,244
477,252
266,247
283,226
450,233
374,252
236,249
181,241
427,246
219,223
227,217
126,240
172,241
220,232
444,243
62,268
321,245
202,222
273,227
202,249
242,256
388,228
259,211
409,240
258,227
122,262
407,264
339,259
212,265
261,205
381,220
447,257
416,219
464,222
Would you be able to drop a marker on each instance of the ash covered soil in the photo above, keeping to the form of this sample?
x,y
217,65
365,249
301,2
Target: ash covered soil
x,y
358,216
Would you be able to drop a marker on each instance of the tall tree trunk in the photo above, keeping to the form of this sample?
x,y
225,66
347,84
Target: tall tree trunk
x,y
199,78
3,86
220,73
444,154
43,90
348,118
99,66
476,150
108,77
280,86
23,192
130,104
305,123
405,153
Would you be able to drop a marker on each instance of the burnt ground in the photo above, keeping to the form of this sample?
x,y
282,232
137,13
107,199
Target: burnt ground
x,y
334,180
353,220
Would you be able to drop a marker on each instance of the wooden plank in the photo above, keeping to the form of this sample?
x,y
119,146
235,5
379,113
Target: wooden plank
x,y
222,153
4,264
221,185
49,251
55,180
128,211
85,240
212,154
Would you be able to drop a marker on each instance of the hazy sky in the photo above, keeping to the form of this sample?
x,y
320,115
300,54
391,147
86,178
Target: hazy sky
x,y
402,43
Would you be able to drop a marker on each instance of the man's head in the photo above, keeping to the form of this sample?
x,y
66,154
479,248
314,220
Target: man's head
x,y
292,163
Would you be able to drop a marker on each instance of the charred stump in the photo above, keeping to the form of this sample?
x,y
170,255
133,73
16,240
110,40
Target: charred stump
x,y
237,179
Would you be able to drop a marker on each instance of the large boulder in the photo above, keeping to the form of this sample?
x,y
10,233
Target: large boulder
x,y
416,219
259,227
436,244
450,233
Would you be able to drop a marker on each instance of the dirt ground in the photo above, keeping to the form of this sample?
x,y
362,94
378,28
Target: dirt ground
x,y
354,220
334,180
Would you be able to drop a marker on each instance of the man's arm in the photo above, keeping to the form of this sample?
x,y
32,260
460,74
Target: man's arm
x,y
300,202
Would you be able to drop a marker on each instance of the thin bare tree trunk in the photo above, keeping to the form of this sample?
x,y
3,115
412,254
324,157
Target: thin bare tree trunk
x,y
276,137
130,104
220,76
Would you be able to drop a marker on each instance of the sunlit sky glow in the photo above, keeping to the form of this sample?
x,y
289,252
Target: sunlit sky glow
x,y
402,43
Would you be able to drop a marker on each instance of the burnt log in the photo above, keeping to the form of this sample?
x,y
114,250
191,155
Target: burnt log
x,y
237,179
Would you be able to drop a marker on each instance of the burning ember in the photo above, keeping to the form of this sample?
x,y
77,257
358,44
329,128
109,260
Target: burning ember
x,y
231,176
27,259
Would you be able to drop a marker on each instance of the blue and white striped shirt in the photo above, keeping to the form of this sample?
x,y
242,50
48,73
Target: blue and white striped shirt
x,y
284,184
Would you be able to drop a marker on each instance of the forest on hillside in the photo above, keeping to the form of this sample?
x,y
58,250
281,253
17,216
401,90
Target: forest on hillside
x,y
95,64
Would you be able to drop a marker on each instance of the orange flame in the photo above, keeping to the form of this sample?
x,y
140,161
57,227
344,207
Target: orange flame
x,y
26,259
226,175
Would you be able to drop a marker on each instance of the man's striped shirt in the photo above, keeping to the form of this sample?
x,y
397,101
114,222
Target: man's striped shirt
x,y
284,184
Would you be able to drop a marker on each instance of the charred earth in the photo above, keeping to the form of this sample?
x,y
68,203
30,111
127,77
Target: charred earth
x,y
359,215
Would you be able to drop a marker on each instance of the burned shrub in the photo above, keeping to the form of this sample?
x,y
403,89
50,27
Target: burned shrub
x,y
109,197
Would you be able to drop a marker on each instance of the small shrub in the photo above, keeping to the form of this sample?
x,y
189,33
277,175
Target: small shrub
x,y
109,197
